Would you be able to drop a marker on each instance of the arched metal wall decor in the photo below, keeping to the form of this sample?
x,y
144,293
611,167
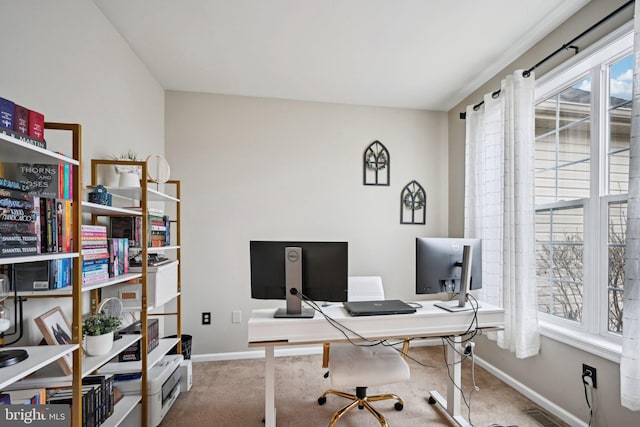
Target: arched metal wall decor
x,y
413,204
376,165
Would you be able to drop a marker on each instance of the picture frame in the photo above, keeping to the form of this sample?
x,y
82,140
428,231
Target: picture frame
x,y
56,330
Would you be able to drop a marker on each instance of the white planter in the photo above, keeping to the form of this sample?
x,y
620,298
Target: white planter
x,y
99,345
129,179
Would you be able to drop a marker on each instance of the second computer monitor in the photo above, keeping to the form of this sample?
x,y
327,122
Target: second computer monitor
x,y
439,263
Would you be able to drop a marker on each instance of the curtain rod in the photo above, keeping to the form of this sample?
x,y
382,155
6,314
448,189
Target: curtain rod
x,y
566,46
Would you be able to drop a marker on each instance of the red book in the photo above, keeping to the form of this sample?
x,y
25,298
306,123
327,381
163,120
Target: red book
x,y
36,125
20,119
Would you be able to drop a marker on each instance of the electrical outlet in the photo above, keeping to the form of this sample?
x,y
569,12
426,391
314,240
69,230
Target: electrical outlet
x,y
206,318
588,371
236,316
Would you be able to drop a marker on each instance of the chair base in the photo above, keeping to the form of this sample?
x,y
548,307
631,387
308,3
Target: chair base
x,y
361,400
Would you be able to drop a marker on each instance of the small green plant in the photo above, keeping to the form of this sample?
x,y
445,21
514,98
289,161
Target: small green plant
x,y
99,324
129,155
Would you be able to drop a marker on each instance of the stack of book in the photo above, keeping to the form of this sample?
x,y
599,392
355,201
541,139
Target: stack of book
x,y
95,253
55,225
19,220
118,256
158,228
22,123
98,398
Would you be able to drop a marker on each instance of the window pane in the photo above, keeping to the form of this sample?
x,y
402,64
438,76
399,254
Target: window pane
x,y
620,94
573,162
575,103
559,261
562,164
619,137
616,249
620,81
546,116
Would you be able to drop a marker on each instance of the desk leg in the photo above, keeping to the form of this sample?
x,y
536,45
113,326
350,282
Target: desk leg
x,y
269,387
454,396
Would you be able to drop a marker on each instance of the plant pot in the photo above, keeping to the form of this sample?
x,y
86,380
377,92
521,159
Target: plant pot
x,y
129,179
99,344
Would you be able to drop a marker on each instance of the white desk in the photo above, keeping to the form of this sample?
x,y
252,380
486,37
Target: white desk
x,y
429,321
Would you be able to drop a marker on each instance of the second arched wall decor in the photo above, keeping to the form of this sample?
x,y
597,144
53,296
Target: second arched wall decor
x,y
413,204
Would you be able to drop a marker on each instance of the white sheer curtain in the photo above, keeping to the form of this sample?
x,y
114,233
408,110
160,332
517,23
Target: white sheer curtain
x,y
499,207
630,361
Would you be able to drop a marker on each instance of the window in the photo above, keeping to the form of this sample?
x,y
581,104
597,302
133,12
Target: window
x,y
583,122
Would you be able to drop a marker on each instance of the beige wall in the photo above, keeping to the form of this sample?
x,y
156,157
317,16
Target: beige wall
x,y
555,373
255,168
64,59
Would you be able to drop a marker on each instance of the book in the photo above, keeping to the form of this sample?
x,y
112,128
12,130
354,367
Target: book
x,y
95,251
10,184
41,179
7,108
7,227
20,119
28,396
36,125
114,257
14,194
124,255
18,239
9,251
17,215
94,228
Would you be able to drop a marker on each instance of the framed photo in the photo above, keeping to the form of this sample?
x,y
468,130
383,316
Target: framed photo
x,y
56,330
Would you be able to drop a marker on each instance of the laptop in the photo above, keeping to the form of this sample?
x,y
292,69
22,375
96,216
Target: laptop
x,y
377,308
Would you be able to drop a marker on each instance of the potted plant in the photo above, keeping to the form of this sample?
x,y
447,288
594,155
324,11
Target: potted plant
x,y
129,174
98,331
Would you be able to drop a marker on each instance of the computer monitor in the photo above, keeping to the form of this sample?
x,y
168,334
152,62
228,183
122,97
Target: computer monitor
x,y
280,270
448,265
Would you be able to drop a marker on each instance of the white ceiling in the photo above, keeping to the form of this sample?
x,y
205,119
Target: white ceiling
x,y
425,54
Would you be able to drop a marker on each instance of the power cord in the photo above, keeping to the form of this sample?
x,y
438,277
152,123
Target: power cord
x,y
345,331
587,383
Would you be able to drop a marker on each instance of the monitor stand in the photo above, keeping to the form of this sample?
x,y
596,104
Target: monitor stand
x,y
462,303
293,285
455,306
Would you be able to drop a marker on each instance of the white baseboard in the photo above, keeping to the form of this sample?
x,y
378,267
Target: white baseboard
x,y
532,395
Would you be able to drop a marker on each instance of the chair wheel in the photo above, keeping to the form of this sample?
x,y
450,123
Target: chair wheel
x,y
398,406
326,374
432,401
322,400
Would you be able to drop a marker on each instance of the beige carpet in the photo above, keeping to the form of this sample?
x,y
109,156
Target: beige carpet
x,y
231,393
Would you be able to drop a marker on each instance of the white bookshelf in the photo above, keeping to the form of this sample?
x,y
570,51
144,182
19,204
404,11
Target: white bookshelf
x,y
122,410
52,376
39,357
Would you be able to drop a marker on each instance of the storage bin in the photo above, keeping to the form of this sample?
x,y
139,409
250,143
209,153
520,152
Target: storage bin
x,y
186,346
162,286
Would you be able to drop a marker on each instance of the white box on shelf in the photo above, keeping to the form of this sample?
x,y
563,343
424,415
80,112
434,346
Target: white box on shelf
x,y
162,286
